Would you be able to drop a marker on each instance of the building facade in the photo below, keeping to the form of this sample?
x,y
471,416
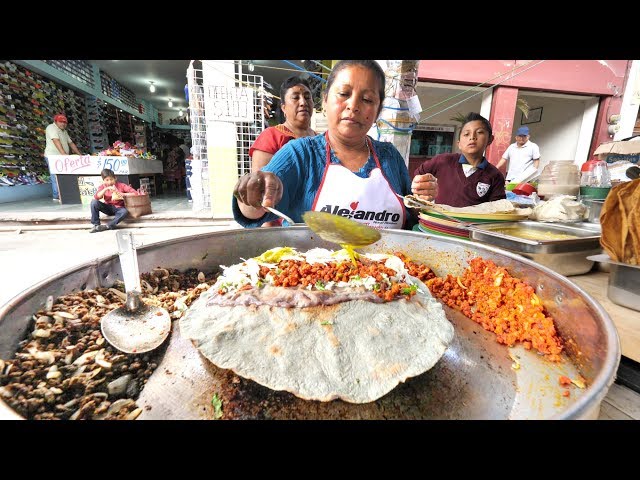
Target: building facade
x,y
574,105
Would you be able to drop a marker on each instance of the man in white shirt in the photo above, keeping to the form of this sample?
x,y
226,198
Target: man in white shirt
x,y
523,157
183,146
58,143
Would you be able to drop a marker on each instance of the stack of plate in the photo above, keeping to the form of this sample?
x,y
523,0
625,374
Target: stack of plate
x,y
433,222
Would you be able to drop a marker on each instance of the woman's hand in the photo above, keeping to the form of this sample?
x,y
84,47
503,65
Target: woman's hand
x,y
425,186
258,189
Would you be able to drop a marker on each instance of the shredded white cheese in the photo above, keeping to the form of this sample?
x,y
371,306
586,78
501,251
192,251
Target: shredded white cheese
x,y
247,273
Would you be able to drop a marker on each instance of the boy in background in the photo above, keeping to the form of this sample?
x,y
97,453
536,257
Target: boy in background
x,y
109,199
466,178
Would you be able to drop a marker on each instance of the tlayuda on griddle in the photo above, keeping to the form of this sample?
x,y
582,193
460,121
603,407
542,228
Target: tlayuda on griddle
x,y
319,326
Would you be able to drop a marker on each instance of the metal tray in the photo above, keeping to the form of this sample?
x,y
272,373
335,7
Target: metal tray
x,y
595,207
587,239
567,256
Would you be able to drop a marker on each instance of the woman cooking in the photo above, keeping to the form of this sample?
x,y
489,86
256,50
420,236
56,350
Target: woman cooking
x,y
342,171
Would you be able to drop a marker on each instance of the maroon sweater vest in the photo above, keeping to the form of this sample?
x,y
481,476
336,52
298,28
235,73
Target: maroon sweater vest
x,y
457,190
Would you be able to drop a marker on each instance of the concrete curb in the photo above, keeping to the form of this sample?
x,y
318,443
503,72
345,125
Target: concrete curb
x,y
36,219
87,226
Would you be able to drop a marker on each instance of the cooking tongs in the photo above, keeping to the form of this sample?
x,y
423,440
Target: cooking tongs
x,y
412,201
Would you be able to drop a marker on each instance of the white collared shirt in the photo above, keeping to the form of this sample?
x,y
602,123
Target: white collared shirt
x,y
520,158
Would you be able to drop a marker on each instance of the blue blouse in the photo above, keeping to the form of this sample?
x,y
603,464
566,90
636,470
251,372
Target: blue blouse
x,y
300,166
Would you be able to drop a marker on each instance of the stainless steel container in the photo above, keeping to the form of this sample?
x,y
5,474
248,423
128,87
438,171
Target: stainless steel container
x,y
565,256
473,380
594,209
624,282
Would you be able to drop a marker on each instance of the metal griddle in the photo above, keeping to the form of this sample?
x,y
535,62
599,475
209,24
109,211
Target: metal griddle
x,y
473,380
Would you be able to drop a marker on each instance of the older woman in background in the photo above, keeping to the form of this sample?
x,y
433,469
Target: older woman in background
x,y
296,106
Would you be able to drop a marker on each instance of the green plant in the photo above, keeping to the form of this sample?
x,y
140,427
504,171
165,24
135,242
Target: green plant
x,y
459,117
523,106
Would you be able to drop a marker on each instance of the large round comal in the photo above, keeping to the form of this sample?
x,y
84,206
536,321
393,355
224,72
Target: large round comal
x,y
474,379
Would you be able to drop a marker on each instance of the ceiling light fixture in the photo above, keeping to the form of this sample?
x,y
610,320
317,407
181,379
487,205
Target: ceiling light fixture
x,y
152,87
180,113
170,103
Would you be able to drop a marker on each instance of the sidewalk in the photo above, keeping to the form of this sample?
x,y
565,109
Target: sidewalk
x,y
169,209
29,257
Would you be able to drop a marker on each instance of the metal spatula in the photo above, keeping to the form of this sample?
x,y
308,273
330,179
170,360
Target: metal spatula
x,y
348,233
340,230
136,327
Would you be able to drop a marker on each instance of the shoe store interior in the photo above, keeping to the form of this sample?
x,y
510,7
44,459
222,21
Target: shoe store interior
x,y
104,118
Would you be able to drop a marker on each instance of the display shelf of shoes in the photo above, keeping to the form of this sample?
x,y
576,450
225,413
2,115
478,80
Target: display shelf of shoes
x,y
126,126
30,102
19,150
140,136
78,69
112,124
153,140
111,88
105,122
46,98
50,98
75,108
97,131
119,125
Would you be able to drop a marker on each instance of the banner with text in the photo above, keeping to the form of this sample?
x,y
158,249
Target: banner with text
x,y
88,187
225,103
83,164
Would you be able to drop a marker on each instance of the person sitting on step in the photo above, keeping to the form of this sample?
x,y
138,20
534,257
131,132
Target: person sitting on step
x,y
109,199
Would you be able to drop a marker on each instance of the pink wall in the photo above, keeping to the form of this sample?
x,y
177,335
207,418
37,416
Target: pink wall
x,y
503,108
569,76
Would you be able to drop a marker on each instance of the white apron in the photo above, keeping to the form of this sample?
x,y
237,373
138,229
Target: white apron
x,y
371,200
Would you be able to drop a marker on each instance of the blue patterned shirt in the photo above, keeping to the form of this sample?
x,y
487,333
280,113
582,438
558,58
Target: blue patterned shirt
x,y
300,166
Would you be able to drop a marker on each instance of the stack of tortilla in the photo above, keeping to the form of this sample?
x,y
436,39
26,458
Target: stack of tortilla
x,y
620,223
496,206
